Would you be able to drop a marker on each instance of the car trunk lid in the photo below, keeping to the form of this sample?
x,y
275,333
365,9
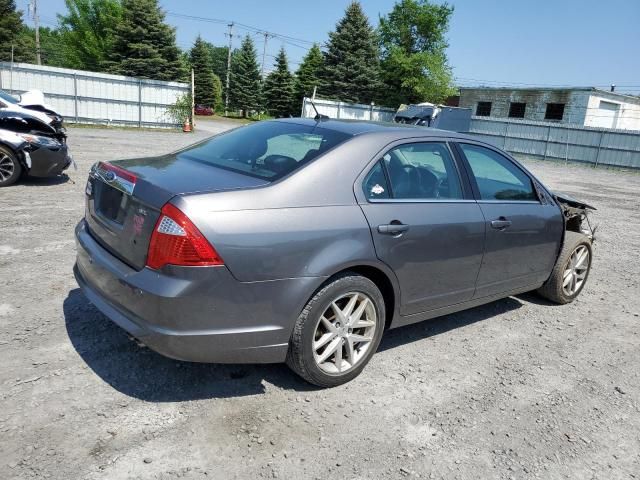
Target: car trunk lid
x,y
124,198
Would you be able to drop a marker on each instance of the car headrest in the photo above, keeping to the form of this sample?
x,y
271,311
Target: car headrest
x,y
279,163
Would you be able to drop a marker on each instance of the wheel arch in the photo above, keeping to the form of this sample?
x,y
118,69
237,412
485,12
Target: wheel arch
x,y
382,277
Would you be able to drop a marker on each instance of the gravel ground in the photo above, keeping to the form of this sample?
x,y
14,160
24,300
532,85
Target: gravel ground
x,y
514,389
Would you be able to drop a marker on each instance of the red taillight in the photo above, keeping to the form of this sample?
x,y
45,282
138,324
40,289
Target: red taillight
x,y
120,172
177,241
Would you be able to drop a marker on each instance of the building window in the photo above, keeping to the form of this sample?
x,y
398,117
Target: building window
x,y
555,111
516,109
483,109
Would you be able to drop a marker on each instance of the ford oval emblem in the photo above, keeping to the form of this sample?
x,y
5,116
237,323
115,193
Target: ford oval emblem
x,y
109,176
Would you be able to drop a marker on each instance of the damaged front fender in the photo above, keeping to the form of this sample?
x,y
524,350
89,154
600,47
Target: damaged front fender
x,y
575,214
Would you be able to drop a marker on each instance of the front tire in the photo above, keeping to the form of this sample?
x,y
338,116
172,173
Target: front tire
x,y
571,271
10,168
338,331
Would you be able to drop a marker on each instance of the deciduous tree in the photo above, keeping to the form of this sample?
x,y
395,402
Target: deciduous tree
x,y
86,32
414,61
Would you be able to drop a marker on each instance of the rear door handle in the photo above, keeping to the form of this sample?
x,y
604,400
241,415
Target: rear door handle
x,y
501,223
393,228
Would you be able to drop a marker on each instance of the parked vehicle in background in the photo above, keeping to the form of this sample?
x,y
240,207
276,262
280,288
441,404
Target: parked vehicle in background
x,y
426,114
204,110
302,241
29,146
32,103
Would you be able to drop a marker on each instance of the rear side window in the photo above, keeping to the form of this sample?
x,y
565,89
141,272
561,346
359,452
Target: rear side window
x,y
375,184
267,150
496,176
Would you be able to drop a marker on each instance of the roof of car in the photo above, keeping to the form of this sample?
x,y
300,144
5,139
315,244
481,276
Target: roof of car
x,y
358,127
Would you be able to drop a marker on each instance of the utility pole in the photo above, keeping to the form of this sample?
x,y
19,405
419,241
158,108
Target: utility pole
x,y
226,90
36,23
264,52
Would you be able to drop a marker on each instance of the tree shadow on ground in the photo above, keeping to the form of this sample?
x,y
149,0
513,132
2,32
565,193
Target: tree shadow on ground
x,y
139,372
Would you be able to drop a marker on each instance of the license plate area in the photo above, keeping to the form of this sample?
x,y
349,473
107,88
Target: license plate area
x,y
111,203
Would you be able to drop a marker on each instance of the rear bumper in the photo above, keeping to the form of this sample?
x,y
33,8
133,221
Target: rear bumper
x,y
199,314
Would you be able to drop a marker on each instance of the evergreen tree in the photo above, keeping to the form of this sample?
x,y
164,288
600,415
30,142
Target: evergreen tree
x,y
278,88
203,73
414,61
12,33
244,87
144,46
308,75
351,72
87,32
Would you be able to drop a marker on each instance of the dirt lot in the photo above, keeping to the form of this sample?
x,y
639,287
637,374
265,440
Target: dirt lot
x,y
515,389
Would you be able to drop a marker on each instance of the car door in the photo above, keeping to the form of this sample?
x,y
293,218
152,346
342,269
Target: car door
x,y
523,233
425,224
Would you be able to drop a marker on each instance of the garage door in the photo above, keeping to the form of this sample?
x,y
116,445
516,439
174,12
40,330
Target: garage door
x,y
606,115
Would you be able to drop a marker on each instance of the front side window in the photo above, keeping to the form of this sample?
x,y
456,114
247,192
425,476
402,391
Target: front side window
x,y
496,176
268,150
420,171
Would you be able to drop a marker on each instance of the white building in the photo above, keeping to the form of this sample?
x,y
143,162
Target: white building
x,y
581,105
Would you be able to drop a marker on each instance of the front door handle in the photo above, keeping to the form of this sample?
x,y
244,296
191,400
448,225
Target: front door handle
x,y
393,228
501,223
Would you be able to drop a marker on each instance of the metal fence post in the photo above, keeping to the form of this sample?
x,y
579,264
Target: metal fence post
x,y
546,145
139,103
75,94
599,147
506,133
566,151
338,110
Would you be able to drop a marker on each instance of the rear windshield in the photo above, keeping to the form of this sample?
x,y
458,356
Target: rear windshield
x,y
267,150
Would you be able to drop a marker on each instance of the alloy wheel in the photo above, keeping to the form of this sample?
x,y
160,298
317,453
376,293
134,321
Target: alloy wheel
x,y
7,168
576,270
344,333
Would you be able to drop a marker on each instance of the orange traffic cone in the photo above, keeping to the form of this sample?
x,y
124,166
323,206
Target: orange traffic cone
x,y
186,127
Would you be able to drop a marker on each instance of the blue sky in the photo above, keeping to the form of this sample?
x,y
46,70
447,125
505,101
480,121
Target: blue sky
x,y
497,42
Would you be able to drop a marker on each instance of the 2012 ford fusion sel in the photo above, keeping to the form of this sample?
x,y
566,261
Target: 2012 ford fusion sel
x,y
303,240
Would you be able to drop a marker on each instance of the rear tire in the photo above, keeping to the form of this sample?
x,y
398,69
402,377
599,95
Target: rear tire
x,y
571,271
338,331
10,168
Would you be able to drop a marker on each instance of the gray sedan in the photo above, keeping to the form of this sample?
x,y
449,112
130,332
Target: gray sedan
x,y
304,240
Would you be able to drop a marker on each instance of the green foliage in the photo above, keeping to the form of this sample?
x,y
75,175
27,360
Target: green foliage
x,y
308,75
86,32
144,45
181,109
351,72
203,73
219,60
217,93
244,87
13,33
414,61
278,88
